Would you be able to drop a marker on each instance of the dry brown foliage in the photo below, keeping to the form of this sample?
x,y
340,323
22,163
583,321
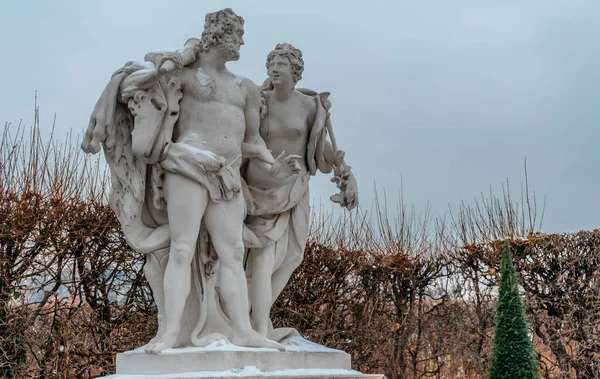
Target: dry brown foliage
x,y
410,297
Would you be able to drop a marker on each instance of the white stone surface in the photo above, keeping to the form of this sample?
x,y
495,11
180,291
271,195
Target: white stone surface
x,y
250,372
142,363
221,356
209,177
294,121
174,130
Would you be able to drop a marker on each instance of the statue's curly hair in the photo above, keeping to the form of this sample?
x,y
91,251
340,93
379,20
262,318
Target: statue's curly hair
x,y
216,24
294,55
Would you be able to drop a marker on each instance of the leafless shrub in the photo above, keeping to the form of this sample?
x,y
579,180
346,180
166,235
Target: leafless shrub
x,y
405,294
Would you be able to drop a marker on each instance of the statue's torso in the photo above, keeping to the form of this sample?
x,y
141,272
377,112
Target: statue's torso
x,y
212,108
286,128
287,125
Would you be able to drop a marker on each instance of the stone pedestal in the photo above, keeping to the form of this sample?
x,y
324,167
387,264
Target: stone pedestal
x,y
302,359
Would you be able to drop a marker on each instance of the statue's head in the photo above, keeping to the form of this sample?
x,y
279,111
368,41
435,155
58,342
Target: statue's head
x,y
223,30
285,64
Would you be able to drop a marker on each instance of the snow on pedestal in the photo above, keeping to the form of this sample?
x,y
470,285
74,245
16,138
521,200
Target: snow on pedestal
x,y
221,359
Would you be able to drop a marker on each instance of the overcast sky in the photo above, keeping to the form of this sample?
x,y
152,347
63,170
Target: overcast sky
x,y
452,96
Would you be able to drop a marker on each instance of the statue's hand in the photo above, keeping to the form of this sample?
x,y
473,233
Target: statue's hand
x,y
139,80
169,61
348,196
351,193
144,79
286,167
95,133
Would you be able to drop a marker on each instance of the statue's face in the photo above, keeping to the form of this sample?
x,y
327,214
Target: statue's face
x,y
280,71
231,42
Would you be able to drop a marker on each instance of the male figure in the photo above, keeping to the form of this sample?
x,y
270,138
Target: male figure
x,y
296,122
217,121
219,111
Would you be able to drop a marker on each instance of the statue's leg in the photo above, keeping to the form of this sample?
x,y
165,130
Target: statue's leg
x,y
298,235
155,274
186,203
224,222
283,274
263,261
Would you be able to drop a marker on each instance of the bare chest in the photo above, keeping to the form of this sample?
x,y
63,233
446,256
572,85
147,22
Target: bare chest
x,y
284,122
204,87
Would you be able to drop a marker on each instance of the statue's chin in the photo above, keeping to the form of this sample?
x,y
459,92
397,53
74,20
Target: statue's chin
x,y
229,51
232,57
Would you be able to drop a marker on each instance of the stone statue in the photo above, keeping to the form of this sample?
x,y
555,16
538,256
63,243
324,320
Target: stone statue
x,y
174,131
222,223
295,121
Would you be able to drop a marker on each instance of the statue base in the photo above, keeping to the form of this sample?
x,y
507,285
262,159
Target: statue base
x,y
221,359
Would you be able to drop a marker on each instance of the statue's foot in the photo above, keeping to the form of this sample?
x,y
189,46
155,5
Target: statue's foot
x,y
152,341
161,342
157,336
252,338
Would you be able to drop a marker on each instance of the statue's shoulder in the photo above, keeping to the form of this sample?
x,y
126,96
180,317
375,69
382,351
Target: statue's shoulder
x,y
308,99
242,81
247,85
307,92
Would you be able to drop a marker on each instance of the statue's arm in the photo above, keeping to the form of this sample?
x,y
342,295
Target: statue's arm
x,y
342,174
254,146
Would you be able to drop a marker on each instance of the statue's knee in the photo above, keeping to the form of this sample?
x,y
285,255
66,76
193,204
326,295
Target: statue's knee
x,y
233,257
230,253
181,254
238,251
236,258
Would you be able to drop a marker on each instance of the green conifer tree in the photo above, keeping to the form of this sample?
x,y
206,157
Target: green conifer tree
x,y
512,355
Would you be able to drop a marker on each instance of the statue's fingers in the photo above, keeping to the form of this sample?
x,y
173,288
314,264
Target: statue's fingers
x,y
146,80
166,66
98,136
163,59
110,142
88,136
293,157
280,156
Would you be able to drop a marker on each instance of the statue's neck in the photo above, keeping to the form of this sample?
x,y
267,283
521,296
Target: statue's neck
x,y
282,92
212,60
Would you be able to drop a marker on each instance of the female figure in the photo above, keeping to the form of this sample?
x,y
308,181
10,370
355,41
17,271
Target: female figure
x,y
296,122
